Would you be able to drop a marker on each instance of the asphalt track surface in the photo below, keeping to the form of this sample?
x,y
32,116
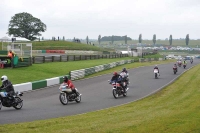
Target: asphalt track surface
x,y
96,95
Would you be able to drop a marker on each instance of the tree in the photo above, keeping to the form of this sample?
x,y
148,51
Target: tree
x,y
87,39
154,39
170,40
140,38
99,39
125,39
187,39
112,39
25,25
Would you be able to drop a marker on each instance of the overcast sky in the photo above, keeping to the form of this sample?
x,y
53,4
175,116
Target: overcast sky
x,y
81,18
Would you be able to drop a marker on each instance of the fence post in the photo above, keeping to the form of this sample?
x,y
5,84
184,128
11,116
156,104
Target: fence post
x,y
52,58
33,60
43,59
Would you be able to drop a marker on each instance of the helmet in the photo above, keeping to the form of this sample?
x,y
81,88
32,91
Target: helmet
x,y
65,78
115,73
4,78
156,65
124,69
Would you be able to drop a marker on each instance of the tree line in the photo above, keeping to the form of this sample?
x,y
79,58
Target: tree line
x,y
25,25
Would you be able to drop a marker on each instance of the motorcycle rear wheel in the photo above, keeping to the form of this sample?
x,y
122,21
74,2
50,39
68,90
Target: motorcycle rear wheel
x,y
18,103
115,94
63,98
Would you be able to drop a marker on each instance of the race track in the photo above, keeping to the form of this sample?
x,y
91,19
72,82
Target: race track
x,y
96,95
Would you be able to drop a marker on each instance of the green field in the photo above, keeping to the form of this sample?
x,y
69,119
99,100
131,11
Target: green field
x,y
55,69
175,109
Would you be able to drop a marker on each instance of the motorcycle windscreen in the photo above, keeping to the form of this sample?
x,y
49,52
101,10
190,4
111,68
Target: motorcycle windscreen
x,y
3,94
155,71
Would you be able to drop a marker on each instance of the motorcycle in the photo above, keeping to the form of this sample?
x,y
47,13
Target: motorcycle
x,y
191,61
118,90
15,102
67,95
175,70
179,64
184,66
156,73
125,78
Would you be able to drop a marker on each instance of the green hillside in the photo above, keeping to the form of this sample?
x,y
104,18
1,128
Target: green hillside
x,y
192,43
61,45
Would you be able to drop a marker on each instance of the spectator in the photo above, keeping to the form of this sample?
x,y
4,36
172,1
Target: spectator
x,y
10,54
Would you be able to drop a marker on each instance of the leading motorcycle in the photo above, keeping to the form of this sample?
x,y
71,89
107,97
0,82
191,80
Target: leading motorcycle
x,y
118,89
67,95
156,73
15,102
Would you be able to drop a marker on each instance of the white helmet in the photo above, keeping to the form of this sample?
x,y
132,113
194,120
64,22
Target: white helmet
x,y
4,78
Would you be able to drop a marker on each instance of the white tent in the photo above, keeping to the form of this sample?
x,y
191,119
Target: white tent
x,y
3,39
9,39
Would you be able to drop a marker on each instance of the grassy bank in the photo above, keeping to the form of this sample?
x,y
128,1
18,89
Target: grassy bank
x,y
62,45
175,109
192,43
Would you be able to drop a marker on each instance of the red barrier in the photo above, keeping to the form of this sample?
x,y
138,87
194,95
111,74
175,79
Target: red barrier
x,y
1,65
55,51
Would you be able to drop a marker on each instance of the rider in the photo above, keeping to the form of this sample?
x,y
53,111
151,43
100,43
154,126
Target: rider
x,y
191,59
8,87
117,78
175,66
156,67
124,70
125,77
179,61
184,62
70,85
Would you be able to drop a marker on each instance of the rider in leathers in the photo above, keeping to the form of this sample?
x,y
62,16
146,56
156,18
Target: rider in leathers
x,y
156,67
70,85
126,79
7,86
118,79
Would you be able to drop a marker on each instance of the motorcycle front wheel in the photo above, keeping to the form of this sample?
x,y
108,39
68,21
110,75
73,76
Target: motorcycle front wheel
x,y
63,98
78,99
156,75
0,105
125,94
174,71
18,103
115,94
